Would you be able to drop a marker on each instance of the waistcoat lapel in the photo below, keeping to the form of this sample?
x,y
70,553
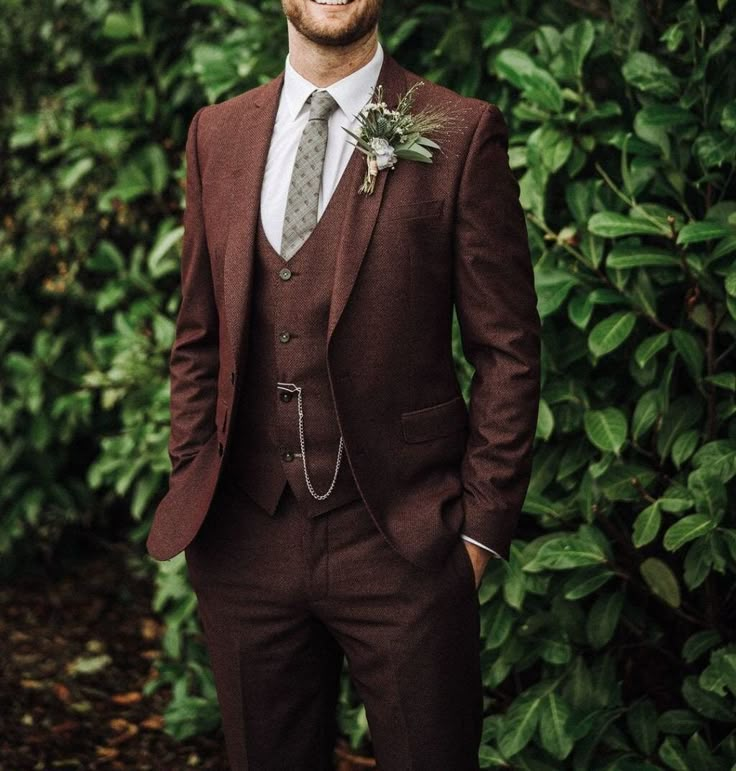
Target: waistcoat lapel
x,y
249,152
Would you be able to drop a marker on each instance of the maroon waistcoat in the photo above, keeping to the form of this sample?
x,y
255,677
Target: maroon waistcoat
x,y
288,344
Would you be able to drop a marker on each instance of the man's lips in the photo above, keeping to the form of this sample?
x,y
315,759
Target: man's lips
x,y
332,2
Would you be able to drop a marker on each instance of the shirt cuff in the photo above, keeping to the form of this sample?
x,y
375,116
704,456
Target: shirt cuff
x,y
482,546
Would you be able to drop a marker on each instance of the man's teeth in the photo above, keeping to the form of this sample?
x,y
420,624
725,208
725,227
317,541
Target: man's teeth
x,y
333,2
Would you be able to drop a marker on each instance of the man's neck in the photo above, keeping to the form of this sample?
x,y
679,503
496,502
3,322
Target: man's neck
x,y
324,65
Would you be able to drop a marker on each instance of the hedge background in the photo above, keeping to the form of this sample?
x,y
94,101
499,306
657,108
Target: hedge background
x,y
610,636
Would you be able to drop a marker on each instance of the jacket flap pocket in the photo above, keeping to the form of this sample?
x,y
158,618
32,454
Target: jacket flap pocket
x,y
432,422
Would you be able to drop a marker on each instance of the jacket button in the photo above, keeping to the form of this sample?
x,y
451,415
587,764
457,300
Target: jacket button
x,y
284,337
285,274
287,455
285,396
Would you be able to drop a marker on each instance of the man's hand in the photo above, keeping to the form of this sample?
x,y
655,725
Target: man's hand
x,y
479,557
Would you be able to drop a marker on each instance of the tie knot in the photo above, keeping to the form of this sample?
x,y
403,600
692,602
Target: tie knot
x,y
321,105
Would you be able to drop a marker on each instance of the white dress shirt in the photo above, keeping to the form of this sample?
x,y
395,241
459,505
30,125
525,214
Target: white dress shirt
x,y
351,93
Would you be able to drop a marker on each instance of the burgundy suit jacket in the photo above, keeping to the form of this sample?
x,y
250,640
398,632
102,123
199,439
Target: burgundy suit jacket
x,y
431,235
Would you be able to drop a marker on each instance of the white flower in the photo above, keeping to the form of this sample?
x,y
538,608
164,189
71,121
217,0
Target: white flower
x,y
384,152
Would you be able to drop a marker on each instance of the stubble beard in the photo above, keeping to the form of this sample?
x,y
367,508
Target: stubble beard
x,y
359,25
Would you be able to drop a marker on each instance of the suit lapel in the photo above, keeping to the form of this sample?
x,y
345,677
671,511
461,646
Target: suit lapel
x,y
251,140
361,210
253,130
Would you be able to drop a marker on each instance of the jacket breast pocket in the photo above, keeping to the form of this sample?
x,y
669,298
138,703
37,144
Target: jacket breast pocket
x,y
436,421
430,209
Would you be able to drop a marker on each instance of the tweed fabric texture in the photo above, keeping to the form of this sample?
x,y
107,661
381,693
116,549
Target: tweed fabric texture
x,y
265,426
302,200
283,598
431,236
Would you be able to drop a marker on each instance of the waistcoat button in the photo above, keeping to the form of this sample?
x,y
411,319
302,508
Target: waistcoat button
x,y
285,396
287,456
285,274
284,337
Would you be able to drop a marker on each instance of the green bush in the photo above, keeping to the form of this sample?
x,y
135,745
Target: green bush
x,y
609,635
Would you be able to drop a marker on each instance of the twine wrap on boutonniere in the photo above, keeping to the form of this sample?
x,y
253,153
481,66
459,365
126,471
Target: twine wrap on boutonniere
x,y
388,135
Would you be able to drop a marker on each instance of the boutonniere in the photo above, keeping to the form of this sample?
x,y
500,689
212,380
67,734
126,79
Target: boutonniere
x,y
386,135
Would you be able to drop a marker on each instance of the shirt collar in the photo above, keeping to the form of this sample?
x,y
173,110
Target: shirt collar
x,y
351,92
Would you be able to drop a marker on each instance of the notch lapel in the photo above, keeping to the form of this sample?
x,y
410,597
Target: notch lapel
x,y
361,210
251,140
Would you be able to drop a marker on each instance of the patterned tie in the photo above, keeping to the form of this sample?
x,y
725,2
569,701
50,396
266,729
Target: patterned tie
x,y
303,196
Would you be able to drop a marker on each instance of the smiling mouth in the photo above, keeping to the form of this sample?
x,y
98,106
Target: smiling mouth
x,y
332,2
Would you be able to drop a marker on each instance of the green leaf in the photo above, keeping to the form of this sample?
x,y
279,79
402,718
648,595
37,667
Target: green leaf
x,y
545,420
165,243
672,753
718,458
714,149
669,116
609,333
623,481
687,529
661,580
691,351
578,40
697,232
725,380
730,282
553,148
684,413
580,310
646,525
603,619
684,446
563,552
709,492
611,224
106,258
585,581
706,703
513,64
552,287
520,722
536,84
606,428
650,347
641,720
118,26
645,72
625,256
495,29
555,736
699,643
679,721
646,412
500,627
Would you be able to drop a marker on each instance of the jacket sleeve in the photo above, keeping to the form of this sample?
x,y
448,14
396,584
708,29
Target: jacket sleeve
x,y
493,283
193,363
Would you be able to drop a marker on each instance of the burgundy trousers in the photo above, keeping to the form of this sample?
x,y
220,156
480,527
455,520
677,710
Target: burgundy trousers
x,y
283,598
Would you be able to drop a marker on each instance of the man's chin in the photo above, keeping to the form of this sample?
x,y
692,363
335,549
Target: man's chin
x,y
334,24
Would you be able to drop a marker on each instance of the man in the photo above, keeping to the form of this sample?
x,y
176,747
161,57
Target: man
x,y
331,490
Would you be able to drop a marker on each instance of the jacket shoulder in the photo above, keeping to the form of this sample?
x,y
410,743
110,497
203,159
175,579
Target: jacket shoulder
x,y
223,113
